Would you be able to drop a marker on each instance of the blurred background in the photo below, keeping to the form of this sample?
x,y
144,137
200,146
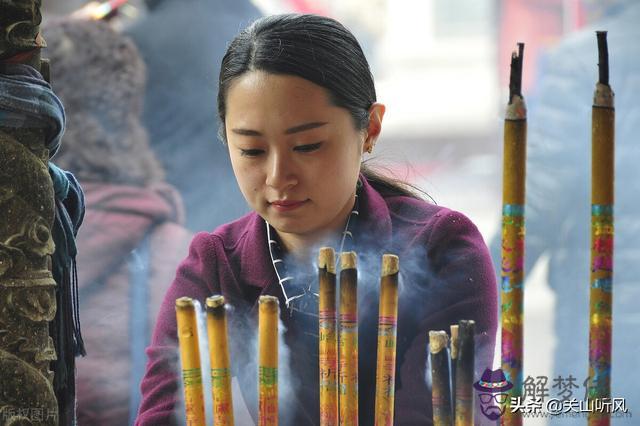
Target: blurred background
x,y
440,66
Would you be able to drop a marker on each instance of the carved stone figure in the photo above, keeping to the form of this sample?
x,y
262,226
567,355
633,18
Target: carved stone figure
x,y
19,27
27,288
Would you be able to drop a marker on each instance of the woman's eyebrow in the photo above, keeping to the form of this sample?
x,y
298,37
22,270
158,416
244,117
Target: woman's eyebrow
x,y
303,127
246,132
289,131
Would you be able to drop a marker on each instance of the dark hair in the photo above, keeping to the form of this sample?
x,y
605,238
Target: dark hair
x,y
318,49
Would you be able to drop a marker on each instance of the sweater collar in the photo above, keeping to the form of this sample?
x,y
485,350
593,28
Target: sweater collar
x,y
375,218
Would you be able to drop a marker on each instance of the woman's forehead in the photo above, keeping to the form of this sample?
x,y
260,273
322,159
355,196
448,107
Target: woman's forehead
x,y
260,98
280,90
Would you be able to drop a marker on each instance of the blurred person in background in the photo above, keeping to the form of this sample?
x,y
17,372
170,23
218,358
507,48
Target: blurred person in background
x,y
132,239
558,208
182,44
54,9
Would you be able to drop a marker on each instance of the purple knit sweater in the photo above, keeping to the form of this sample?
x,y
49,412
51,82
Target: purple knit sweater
x,y
446,275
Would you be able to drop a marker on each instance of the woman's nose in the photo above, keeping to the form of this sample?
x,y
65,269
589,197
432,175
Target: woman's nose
x,y
281,174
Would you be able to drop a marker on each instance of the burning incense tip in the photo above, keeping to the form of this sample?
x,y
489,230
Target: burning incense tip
x,y
268,299
603,58
184,302
515,78
467,327
438,341
327,259
390,264
215,301
466,345
455,343
348,260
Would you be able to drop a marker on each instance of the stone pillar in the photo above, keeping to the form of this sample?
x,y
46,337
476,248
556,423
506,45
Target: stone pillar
x,y
27,287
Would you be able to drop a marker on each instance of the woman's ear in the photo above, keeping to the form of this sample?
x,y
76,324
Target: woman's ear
x,y
376,114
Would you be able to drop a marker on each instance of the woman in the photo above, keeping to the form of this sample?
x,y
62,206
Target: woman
x,y
298,110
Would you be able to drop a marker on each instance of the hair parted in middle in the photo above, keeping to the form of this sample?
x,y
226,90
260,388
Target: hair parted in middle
x,y
318,49
313,47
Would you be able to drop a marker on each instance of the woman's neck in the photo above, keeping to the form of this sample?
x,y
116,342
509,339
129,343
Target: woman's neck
x,y
300,245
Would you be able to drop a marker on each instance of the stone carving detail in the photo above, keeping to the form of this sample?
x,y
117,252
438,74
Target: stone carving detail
x,y
27,288
19,27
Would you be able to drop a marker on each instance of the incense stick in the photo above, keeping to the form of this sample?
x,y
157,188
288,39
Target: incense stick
x,y
190,359
348,374
464,373
440,389
268,361
387,330
328,344
513,235
455,345
219,358
602,200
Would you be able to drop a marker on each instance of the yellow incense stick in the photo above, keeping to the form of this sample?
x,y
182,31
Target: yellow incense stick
x,y
513,235
328,343
602,201
348,374
220,365
387,330
190,358
268,362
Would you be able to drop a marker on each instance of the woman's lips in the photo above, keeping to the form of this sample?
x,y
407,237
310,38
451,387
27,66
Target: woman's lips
x,y
287,205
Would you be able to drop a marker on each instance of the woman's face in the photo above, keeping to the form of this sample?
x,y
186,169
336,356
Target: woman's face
x,y
296,156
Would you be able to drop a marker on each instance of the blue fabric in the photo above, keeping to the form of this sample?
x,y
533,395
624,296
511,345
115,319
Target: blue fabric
x,y
27,101
70,209
67,189
60,180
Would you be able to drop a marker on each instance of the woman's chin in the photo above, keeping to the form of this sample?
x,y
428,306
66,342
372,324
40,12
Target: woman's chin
x,y
289,226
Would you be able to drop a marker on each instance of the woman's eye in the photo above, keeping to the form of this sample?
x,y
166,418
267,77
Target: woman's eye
x,y
308,148
251,152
